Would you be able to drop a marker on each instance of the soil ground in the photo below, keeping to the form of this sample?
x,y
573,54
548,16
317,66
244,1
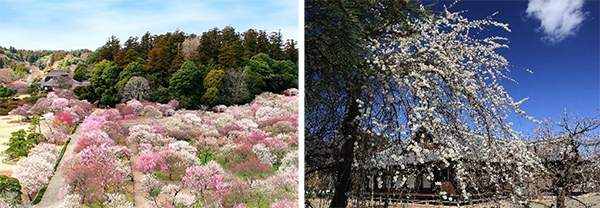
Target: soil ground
x,y
8,124
592,200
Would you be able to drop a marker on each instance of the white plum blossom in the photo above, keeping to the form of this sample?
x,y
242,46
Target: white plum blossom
x,y
71,201
427,96
185,200
47,151
182,146
264,154
149,183
246,124
290,160
118,200
33,173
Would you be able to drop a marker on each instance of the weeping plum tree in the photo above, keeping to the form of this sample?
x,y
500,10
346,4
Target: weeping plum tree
x,y
378,72
137,88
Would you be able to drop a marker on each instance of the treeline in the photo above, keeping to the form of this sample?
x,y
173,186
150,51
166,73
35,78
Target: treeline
x,y
35,57
222,66
17,63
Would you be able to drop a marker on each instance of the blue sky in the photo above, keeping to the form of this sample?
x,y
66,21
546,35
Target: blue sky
x,y
559,42
74,24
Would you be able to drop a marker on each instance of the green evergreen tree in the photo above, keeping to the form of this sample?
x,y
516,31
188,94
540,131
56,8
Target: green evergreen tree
x,y
214,78
132,69
110,49
103,81
211,96
186,85
80,72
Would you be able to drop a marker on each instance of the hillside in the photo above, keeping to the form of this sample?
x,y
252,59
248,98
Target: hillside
x,y
220,66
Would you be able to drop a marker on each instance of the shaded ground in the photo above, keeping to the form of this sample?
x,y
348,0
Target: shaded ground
x,y
591,200
50,198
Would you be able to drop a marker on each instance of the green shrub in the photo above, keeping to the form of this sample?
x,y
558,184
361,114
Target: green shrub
x,y
213,79
211,96
5,92
10,185
20,143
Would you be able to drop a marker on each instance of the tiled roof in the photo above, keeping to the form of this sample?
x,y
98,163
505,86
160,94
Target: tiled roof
x,y
56,72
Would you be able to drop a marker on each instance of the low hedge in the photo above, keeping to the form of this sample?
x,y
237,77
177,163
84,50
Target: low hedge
x,y
75,127
39,196
62,153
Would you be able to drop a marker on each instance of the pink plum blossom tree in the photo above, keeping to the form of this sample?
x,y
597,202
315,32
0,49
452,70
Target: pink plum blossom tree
x,y
201,180
149,162
173,103
151,112
25,110
136,106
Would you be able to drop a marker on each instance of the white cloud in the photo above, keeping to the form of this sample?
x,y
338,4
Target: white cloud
x,y
559,18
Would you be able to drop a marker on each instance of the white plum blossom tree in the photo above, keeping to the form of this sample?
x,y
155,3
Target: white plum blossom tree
x,y
419,78
33,172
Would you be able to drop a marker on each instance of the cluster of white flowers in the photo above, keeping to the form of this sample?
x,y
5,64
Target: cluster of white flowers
x,y
290,160
247,124
170,190
264,155
149,183
185,200
34,170
220,120
118,200
290,104
71,201
266,112
182,146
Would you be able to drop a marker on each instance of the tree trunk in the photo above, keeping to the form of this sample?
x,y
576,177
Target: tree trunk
x,y
349,132
560,198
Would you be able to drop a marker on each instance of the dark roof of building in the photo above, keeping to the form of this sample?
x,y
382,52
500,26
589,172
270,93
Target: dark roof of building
x,y
50,83
56,72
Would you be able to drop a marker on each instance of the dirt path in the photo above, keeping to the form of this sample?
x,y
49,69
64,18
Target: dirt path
x,y
50,198
138,198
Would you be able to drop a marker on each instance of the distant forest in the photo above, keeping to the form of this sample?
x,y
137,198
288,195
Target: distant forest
x,y
221,66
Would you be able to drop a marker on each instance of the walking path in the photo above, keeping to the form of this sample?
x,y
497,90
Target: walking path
x,y
138,197
50,198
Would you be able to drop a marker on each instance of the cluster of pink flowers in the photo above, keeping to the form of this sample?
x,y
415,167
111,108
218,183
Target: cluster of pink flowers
x,y
250,140
225,158
57,137
284,204
67,111
100,163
